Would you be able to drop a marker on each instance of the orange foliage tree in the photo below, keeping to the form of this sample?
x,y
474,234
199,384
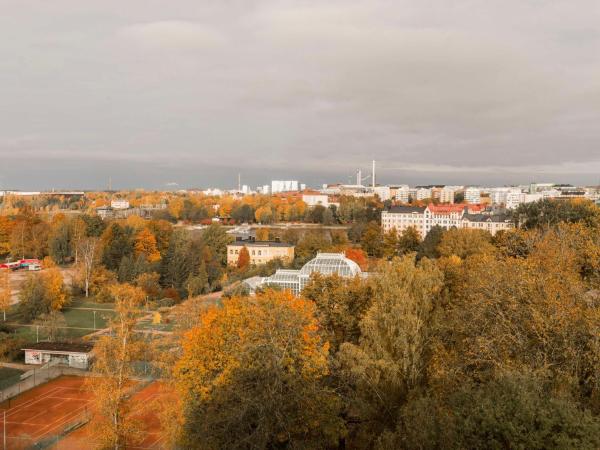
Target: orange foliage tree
x,y
253,372
243,259
145,244
358,256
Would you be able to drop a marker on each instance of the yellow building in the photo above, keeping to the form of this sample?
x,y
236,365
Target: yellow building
x,y
260,252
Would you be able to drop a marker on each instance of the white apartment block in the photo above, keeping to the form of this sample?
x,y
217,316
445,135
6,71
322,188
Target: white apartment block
x,y
423,193
473,195
401,193
446,216
447,195
383,192
283,186
316,199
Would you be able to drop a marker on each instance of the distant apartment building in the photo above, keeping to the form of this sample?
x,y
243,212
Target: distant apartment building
x,y
447,195
422,193
401,193
383,192
446,216
283,186
315,198
261,252
473,195
119,204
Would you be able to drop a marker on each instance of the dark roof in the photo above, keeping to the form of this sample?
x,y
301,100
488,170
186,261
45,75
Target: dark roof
x,y
260,244
487,217
407,209
78,347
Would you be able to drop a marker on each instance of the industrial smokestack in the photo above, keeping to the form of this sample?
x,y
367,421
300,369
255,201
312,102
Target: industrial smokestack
x,y
373,176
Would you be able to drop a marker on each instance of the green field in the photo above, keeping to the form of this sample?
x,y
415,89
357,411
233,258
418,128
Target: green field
x,y
9,376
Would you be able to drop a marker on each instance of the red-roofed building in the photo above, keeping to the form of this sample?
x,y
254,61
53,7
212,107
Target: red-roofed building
x,y
423,219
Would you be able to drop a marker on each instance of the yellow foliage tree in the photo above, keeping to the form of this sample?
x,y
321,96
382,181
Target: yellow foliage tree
x,y
114,425
55,291
145,244
5,291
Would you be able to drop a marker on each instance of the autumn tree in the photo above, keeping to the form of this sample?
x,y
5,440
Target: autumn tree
x,y
243,259
409,241
114,425
392,356
358,256
465,242
5,291
56,293
262,234
88,252
341,305
6,226
390,244
372,240
145,244
252,375
53,323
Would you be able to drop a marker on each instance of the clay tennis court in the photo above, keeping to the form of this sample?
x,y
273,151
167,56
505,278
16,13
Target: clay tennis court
x,y
44,412
144,408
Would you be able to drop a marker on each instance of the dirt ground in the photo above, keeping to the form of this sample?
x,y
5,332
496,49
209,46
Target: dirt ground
x,y
19,276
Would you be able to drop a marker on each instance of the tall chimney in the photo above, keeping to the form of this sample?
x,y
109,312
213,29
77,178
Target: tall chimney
x,y
373,177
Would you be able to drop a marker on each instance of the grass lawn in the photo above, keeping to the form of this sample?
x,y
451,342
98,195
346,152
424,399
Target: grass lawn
x,y
9,376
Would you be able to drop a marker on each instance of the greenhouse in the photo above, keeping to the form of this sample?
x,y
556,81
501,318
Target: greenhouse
x,y
323,263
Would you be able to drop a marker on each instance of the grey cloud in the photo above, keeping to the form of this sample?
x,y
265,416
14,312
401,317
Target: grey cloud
x,y
434,90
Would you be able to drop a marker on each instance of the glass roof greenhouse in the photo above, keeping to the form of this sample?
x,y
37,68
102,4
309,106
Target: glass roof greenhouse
x,y
323,263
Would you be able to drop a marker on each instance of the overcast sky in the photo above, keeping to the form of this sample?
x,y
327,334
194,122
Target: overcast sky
x,y
191,92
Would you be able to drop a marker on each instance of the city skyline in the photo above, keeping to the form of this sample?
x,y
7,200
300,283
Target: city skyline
x,y
497,92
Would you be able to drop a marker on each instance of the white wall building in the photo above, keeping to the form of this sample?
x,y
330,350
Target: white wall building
x,y
283,186
447,195
316,199
119,204
446,216
383,192
473,195
422,193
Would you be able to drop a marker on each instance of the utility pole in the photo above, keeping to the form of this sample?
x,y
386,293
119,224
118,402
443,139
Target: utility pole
x,y
94,320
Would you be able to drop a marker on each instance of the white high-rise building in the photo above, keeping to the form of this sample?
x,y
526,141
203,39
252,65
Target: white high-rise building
x,y
447,195
423,193
473,195
402,193
283,186
383,192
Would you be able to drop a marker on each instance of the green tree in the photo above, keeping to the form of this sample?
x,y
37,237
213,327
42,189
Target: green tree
x,y
341,305
429,247
372,240
409,241
217,239
392,356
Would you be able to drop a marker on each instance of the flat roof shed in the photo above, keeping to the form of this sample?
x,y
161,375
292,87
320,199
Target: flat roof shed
x,y
72,354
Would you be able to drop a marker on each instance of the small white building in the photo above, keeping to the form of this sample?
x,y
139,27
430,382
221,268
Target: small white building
x,y
314,198
75,355
119,204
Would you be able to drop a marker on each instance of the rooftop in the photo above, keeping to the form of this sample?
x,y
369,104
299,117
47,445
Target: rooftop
x,y
75,347
260,244
407,209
